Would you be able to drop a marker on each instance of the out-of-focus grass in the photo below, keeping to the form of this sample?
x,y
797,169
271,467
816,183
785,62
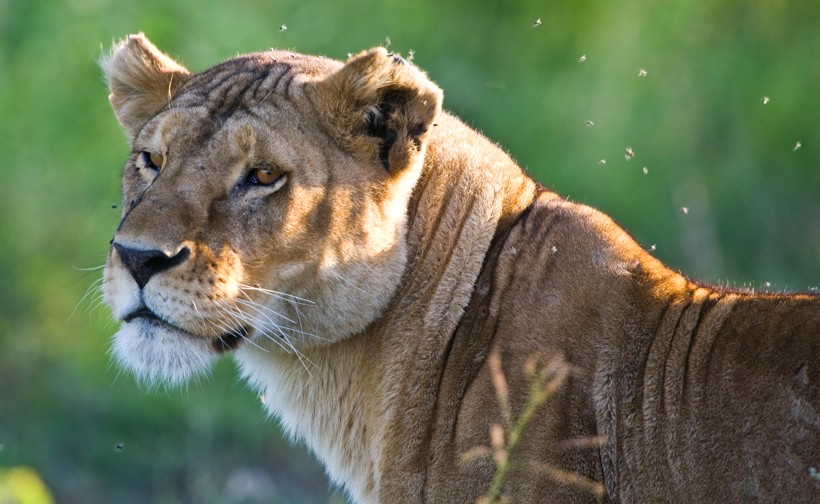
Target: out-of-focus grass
x,y
696,121
545,377
22,485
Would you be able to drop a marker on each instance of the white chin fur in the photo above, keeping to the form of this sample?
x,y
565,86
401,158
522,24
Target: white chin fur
x,y
159,356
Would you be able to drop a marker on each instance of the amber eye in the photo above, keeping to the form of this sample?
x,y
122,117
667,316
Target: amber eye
x,y
266,176
157,159
152,160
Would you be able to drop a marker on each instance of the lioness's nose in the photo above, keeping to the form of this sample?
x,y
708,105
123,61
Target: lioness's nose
x,y
143,264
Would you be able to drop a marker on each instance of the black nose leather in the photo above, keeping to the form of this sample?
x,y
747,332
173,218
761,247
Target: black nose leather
x,y
143,264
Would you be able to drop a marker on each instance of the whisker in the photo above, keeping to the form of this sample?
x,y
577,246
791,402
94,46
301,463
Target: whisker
x,y
299,355
252,304
200,322
196,309
97,284
281,295
271,325
345,280
93,268
88,271
245,295
226,326
303,359
239,331
234,314
263,99
299,318
98,302
262,309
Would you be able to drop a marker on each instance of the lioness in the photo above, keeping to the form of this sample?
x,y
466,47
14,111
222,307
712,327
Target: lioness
x,y
362,253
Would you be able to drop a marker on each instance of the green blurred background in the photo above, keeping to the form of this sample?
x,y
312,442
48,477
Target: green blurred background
x,y
696,121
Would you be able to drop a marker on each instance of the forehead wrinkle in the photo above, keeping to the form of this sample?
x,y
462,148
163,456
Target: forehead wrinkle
x,y
267,88
242,87
234,86
269,70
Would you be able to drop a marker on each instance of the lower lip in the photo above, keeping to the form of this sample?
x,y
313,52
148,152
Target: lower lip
x,y
224,343
149,318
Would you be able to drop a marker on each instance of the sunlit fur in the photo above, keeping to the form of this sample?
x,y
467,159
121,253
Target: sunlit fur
x,y
365,293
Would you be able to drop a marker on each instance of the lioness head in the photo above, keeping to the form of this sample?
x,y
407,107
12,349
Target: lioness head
x,y
264,201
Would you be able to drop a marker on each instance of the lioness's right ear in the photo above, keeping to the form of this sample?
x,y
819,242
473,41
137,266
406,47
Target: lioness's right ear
x,y
381,107
142,80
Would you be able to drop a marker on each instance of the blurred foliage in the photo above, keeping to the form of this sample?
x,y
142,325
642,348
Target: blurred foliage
x,y
22,485
696,120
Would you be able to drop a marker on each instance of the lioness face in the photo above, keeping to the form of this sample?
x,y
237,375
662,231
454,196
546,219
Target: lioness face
x,y
264,201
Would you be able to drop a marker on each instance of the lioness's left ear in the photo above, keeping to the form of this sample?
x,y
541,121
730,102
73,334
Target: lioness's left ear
x,y
381,106
142,80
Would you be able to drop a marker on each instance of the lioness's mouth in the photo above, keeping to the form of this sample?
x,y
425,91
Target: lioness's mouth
x,y
146,313
223,343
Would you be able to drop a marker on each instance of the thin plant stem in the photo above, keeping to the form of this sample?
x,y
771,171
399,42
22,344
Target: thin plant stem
x,y
541,389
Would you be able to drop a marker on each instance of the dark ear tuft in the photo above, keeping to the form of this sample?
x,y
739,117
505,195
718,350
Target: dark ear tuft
x,y
382,97
386,144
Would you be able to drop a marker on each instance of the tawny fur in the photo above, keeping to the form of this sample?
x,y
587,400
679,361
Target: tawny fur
x,y
400,250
